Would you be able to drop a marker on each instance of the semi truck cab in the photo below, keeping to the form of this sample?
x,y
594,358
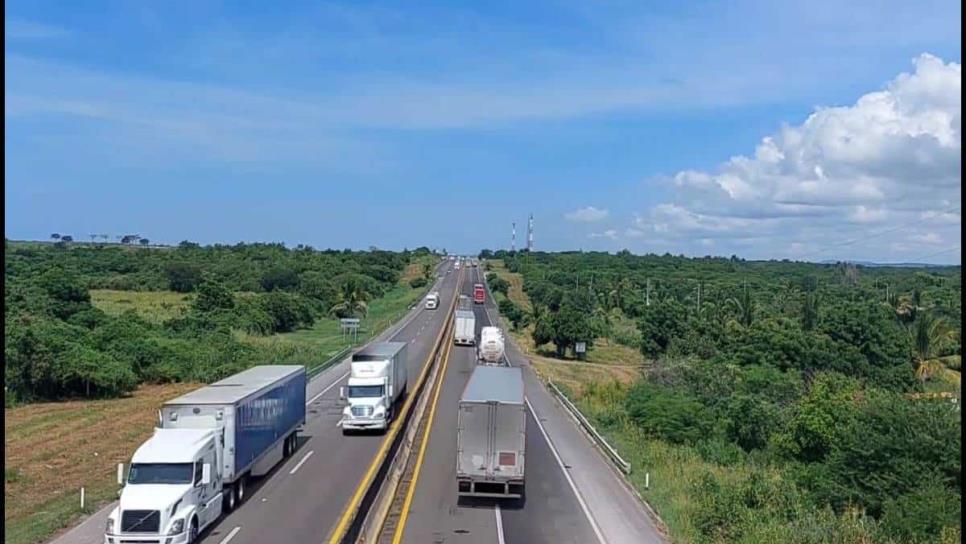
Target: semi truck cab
x,y
377,379
173,488
479,293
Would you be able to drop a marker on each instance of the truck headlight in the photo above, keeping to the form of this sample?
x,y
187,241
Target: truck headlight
x,y
177,527
110,526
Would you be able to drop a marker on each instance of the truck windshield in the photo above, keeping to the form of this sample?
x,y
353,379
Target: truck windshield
x,y
361,391
160,473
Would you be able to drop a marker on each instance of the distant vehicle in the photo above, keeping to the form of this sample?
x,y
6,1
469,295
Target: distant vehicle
x,y
432,301
456,265
464,328
473,263
377,380
490,349
491,434
207,444
479,294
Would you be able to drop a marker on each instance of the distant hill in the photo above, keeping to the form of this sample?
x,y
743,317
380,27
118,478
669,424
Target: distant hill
x,y
891,265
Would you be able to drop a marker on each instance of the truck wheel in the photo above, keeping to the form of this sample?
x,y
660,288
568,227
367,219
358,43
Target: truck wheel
x,y
240,491
287,447
193,532
228,499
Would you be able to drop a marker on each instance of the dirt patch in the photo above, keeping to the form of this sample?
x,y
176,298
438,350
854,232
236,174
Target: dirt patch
x,y
55,448
575,375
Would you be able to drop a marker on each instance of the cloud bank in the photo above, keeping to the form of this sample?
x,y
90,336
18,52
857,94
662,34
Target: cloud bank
x,y
887,165
589,214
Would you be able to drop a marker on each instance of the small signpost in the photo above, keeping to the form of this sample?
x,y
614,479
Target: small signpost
x,y
350,325
580,348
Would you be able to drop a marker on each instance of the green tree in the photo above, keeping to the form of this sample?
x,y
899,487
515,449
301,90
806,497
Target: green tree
x,y
352,298
183,276
929,336
213,295
744,307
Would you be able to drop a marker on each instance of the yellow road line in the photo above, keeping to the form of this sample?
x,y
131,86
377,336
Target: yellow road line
x,y
394,427
401,527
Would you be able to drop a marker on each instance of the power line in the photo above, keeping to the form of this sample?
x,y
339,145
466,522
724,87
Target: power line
x,y
882,233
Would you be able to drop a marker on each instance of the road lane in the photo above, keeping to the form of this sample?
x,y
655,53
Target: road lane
x,y
303,507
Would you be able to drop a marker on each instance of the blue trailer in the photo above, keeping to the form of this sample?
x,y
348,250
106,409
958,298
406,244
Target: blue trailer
x,y
256,414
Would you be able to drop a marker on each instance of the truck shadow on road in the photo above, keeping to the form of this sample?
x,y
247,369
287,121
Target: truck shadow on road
x,y
489,503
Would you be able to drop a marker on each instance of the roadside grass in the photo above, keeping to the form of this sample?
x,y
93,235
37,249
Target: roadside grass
x,y
155,306
52,449
313,346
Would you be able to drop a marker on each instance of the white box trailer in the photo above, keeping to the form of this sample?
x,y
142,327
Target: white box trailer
x,y
464,328
491,434
197,462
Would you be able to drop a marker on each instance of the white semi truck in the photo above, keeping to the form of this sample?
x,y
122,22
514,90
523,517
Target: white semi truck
x,y
491,434
377,380
491,345
197,463
432,300
464,328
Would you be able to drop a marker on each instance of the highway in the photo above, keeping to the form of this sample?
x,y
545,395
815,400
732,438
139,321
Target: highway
x,y
303,498
553,511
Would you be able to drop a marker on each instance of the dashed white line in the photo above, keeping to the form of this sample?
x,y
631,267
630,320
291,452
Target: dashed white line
x,y
499,525
333,384
573,486
304,459
230,535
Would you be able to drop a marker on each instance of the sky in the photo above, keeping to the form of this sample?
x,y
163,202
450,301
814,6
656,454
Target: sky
x,y
770,130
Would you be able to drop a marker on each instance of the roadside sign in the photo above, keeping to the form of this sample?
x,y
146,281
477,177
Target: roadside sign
x,y
349,325
581,347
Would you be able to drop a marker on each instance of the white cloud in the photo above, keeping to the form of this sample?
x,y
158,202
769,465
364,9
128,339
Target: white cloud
x,y
633,233
891,159
926,238
609,233
589,214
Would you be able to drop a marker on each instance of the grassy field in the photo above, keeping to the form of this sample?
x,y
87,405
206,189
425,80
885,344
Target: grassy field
x,y
52,449
155,306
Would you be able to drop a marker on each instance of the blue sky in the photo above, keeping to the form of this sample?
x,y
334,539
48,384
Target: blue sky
x,y
438,123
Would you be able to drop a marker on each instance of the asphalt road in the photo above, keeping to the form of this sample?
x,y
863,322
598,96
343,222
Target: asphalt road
x,y
551,512
303,498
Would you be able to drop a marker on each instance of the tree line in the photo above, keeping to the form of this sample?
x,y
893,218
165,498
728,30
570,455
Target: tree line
x,y
57,344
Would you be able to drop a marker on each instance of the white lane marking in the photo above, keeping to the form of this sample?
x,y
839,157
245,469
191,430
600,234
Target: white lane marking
x,y
230,536
573,486
324,391
304,459
499,525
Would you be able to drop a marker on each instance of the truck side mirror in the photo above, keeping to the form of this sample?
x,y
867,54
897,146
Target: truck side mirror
x,y
206,474
120,474
342,393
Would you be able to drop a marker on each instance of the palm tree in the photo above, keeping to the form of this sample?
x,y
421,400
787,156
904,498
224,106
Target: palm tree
x,y
427,270
929,335
352,300
744,306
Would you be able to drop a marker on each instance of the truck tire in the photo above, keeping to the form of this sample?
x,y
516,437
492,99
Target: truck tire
x,y
287,447
193,531
240,490
228,499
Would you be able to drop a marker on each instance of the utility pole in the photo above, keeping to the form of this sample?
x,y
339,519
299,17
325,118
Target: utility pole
x,y
647,301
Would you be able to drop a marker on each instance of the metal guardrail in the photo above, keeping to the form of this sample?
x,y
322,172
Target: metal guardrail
x,y
318,369
611,453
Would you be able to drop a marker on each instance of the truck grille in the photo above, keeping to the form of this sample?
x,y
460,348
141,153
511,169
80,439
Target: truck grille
x,y
140,521
362,411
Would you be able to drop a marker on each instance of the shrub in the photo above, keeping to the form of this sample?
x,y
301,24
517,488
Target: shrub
x,y
416,283
673,415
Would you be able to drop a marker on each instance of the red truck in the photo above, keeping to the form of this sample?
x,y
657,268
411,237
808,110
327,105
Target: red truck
x,y
479,293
